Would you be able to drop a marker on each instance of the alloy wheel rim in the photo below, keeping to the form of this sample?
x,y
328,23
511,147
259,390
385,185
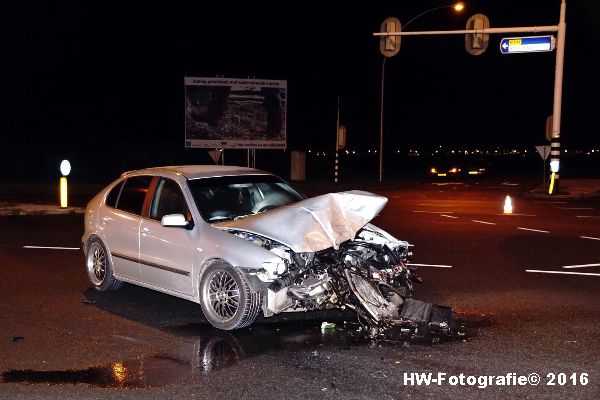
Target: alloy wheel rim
x,y
97,264
223,295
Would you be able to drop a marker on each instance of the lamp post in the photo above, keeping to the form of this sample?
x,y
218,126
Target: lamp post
x,y
458,7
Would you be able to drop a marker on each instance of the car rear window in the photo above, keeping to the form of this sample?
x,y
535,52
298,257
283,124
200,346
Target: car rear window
x,y
113,196
133,194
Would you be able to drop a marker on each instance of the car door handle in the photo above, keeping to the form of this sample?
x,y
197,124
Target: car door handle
x,y
105,220
145,231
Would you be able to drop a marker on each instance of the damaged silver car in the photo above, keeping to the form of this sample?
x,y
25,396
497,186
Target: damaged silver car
x,y
241,242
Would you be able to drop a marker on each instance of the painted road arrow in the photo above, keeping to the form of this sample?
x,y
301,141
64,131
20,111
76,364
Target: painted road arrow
x,y
530,44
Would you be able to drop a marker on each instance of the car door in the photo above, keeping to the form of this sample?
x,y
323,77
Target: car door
x,y
121,225
167,253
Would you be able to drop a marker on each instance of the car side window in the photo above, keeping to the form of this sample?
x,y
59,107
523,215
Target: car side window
x,y
168,199
133,194
113,196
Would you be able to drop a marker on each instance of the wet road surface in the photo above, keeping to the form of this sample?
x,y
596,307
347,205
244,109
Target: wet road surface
x,y
62,339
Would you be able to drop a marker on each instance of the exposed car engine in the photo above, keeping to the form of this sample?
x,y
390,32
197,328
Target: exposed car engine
x,y
369,274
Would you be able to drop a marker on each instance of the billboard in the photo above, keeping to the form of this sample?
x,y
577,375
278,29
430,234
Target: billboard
x,y
235,113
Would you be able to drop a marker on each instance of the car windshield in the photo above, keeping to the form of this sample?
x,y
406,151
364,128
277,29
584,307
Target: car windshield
x,y
232,197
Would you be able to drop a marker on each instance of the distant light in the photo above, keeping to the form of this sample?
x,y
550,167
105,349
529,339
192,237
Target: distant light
x,y
508,208
433,171
566,151
452,151
458,7
65,167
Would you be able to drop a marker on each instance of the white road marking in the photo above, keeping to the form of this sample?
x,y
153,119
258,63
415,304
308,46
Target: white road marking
x,y
51,247
581,266
483,222
431,265
533,230
588,216
589,237
562,272
434,212
510,184
575,208
448,216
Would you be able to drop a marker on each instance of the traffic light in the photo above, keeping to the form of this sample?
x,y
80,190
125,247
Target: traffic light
x,y
477,43
390,45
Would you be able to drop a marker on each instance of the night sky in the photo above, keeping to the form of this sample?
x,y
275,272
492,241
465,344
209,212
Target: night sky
x,y
103,83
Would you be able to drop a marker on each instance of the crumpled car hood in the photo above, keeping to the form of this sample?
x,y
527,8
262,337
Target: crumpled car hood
x,y
314,224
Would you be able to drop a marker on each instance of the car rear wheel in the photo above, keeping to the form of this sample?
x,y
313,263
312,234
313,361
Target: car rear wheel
x,y
99,268
226,297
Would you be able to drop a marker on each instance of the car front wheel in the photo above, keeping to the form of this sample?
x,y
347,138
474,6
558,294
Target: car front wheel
x,y
226,297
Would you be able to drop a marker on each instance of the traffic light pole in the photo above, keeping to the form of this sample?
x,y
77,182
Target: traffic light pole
x,y
557,107
558,74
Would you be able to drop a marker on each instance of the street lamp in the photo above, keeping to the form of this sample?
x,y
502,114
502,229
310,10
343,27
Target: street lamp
x,y
458,7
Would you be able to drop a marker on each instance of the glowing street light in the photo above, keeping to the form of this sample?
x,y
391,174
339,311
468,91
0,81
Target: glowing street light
x,y
458,7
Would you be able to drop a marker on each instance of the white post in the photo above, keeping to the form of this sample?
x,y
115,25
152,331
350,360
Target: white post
x,y
558,84
337,142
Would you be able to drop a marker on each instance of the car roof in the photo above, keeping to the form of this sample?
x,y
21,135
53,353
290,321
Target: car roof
x,y
197,171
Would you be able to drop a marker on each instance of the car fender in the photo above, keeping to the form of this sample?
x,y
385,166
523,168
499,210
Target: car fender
x,y
225,247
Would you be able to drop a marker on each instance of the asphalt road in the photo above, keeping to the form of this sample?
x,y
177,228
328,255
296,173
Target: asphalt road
x,y
61,339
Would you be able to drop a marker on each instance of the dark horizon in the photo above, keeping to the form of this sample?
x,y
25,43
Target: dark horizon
x,y
76,79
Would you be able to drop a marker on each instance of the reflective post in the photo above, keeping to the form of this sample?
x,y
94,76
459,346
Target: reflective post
x,y
63,192
65,169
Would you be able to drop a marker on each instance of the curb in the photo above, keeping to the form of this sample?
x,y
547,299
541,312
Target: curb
x,y
38,209
564,196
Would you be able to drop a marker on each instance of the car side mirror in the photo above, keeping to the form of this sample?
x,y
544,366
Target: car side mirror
x,y
176,220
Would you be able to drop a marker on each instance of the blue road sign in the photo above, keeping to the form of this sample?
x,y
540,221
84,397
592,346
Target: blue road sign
x,y
531,44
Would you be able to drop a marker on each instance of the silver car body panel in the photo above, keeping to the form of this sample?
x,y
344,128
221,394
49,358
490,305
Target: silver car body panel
x,y
314,224
179,276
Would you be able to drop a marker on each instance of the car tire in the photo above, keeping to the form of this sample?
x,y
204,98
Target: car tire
x,y
226,297
99,268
